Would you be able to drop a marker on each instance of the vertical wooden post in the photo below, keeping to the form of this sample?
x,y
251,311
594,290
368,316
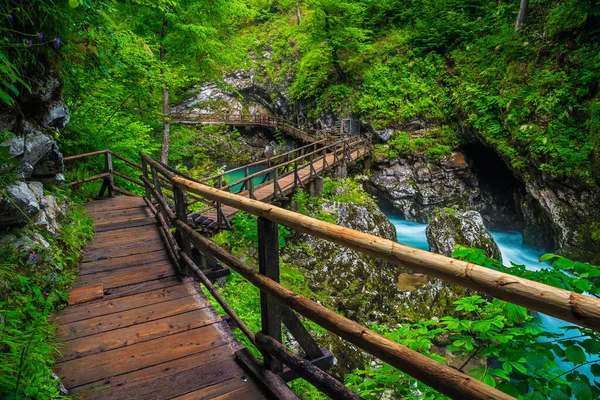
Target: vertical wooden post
x,y
156,181
324,159
251,188
181,213
110,183
145,174
295,174
219,212
268,265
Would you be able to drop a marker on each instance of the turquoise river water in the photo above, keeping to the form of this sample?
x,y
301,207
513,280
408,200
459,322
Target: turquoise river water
x,y
512,249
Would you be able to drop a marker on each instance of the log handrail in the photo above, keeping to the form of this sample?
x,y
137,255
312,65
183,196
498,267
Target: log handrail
x,y
108,184
563,304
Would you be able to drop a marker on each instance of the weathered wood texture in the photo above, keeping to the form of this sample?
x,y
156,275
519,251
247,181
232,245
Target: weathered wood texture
x,y
152,336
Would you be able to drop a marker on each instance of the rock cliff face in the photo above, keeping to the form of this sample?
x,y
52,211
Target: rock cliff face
x,y
568,210
417,186
31,155
450,227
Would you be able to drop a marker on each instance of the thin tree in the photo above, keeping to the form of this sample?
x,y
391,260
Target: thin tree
x,y
522,14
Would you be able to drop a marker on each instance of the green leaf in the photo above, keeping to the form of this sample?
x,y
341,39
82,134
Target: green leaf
x,y
558,394
519,367
575,354
581,390
595,368
488,380
535,360
547,256
74,3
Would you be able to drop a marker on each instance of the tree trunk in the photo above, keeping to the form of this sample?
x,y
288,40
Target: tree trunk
x,y
522,14
164,151
298,14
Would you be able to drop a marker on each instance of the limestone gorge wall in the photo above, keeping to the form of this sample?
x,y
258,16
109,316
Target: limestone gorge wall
x,y
30,154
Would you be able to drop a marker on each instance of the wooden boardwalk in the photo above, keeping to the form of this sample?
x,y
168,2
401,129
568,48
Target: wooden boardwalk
x,y
266,191
140,332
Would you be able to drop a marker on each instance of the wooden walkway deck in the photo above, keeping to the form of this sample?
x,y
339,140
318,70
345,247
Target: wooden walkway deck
x,y
150,335
266,191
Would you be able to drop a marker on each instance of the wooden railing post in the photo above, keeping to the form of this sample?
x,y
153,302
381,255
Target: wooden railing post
x,y
109,180
295,174
251,188
181,213
268,265
145,174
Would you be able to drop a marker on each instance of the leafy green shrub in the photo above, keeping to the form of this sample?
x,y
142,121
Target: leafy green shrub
x,y
34,285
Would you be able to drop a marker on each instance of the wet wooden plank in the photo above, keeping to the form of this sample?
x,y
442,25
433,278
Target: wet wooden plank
x,y
122,250
138,333
203,371
116,203
241,386
119,305
128,318
128,276
100,366
92,267
148,221
86,294
118,237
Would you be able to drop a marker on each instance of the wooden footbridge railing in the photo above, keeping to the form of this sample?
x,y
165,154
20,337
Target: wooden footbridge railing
x,y
269,121
188,248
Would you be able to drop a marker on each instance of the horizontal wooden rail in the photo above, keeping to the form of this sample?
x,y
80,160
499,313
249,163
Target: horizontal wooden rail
x,y
84,155
89,179
569,306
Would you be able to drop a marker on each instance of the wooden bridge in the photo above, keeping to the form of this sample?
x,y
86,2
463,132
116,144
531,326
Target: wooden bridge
x,y
138,327
269,121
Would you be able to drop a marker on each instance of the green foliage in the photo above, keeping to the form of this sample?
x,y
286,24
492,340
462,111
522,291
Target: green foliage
x,y
34,285
346,190
563,273
244,234
436,145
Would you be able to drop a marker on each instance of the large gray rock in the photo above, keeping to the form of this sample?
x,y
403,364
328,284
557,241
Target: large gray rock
x,y
416,186
20,205
56,114
36,155
450,227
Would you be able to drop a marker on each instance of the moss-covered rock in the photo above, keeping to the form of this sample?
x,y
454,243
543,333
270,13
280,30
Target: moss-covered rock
x,y
450,227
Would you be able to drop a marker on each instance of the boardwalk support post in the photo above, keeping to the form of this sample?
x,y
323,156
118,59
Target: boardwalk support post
x,y
268,265
108,183
181,213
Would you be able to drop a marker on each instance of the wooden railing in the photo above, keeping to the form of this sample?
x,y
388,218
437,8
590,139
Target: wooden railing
x,y
278,301
168,194
302,133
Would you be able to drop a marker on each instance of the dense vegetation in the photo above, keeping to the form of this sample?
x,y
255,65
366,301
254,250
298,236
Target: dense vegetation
x,y
34,282
455,65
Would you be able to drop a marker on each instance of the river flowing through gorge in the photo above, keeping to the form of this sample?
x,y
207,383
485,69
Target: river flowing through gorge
x,y
513,250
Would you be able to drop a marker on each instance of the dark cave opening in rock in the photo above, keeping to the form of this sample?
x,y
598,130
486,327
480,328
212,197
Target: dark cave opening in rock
x,y
498,186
